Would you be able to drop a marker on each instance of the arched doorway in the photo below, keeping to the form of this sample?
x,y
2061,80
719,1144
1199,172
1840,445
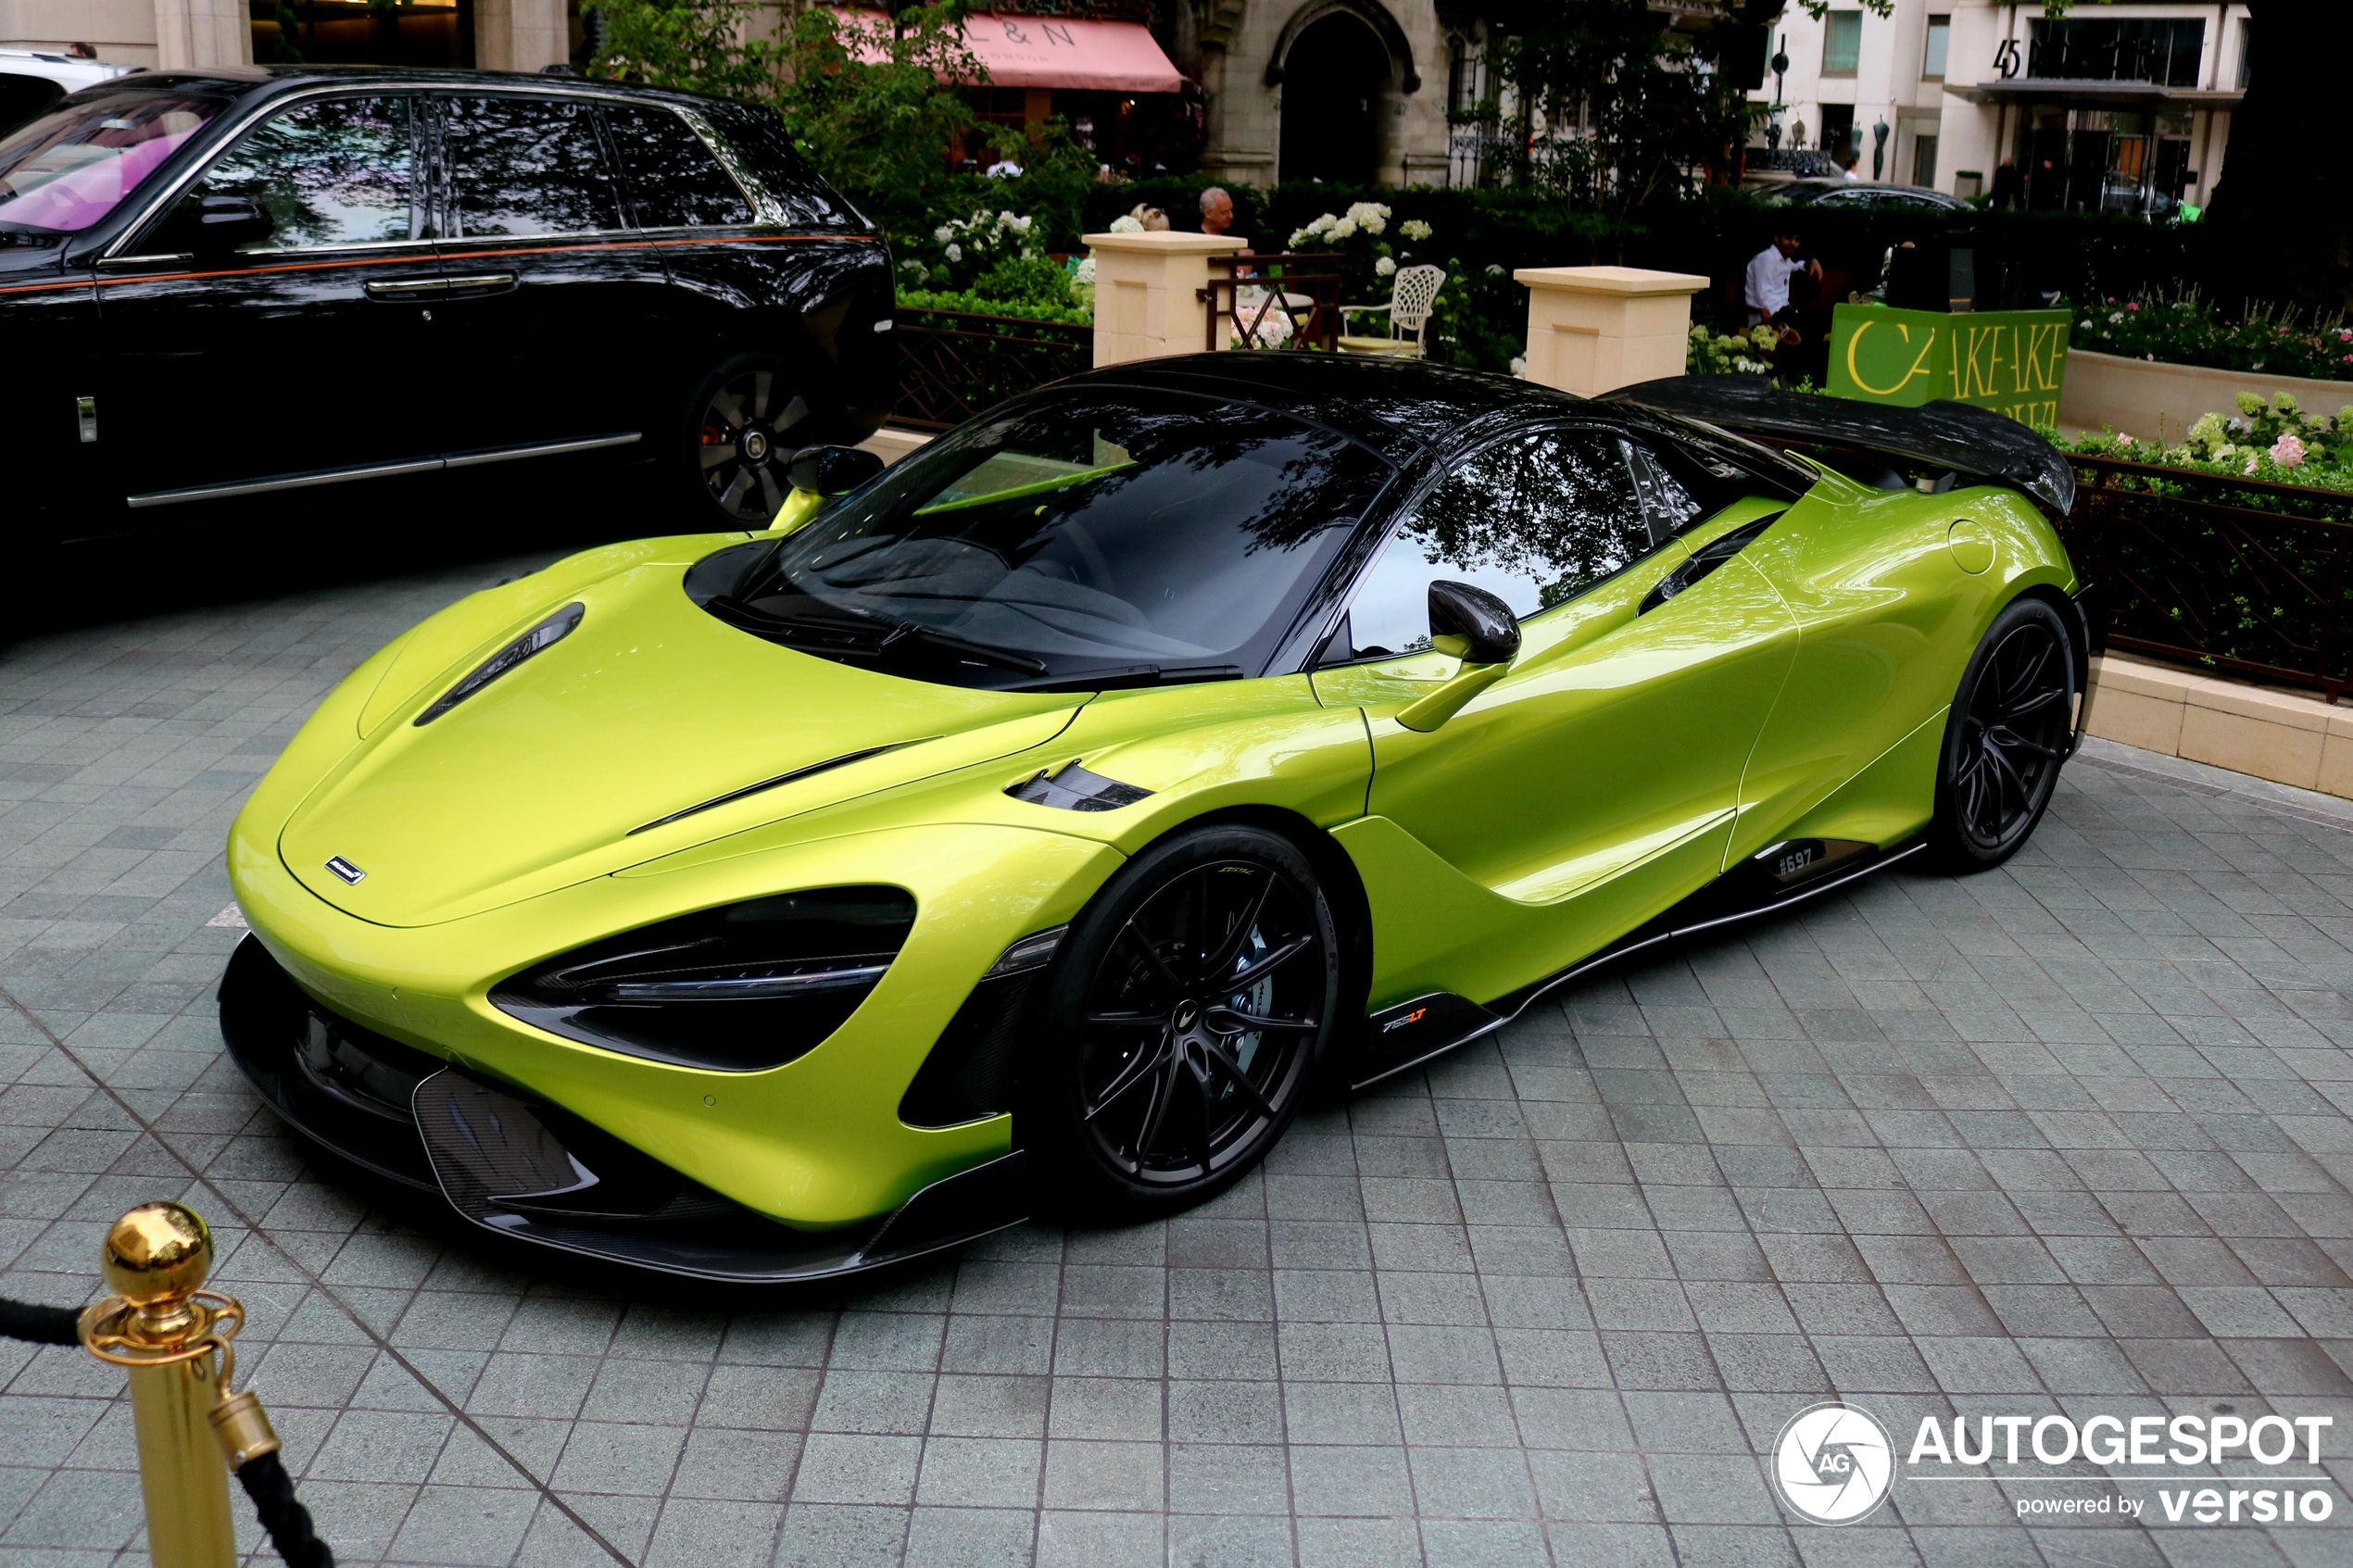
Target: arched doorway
x,y
1333,79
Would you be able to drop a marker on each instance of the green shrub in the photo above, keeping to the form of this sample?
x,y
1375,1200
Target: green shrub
x,y
2185,329
2275,441
968,303
1025,280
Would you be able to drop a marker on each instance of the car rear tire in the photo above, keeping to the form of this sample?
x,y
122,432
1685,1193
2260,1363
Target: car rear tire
x,y
2012,724
1148,1091
744,421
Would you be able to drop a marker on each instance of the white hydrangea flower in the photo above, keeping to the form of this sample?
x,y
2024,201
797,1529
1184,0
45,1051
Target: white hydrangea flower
x,y
943,233
956,252
1494,270
1323,225
1298,238
1519,364
1085,272
1414,228
1384,268
1126,224
1343,230
1371,217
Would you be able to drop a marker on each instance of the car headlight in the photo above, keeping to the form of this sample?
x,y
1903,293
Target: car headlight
x,y
738,988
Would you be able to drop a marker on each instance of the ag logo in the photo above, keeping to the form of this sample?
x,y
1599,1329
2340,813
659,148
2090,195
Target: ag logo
x,y
1833,1463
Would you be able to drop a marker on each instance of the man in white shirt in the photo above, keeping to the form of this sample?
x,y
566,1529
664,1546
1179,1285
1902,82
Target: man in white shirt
x,y
1769,274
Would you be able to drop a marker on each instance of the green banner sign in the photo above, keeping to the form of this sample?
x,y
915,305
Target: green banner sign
x,y
2010,361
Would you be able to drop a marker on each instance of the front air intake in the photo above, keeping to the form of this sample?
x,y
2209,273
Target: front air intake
x,y
738,988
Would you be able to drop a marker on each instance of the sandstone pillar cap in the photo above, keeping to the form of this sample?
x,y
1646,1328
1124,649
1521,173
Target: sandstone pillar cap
x,y
1611,279
1171,243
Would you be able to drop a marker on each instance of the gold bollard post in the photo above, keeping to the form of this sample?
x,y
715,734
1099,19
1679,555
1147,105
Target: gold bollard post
x,y
165,1328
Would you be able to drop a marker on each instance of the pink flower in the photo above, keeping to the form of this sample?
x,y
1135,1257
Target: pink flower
x,y
2250,465
2288,452
2134,306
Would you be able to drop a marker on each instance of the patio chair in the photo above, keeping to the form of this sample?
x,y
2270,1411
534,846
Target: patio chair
x,y
1411,297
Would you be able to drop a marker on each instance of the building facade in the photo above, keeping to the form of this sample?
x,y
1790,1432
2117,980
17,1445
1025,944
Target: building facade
x,y
492,34
1352,91
2122,107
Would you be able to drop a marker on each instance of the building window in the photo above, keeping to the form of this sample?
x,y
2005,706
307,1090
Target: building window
x,y
1939,39
2165,54
1841,42
1924,161
2247,43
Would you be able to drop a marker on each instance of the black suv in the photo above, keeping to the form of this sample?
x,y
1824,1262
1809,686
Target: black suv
x,y
228,282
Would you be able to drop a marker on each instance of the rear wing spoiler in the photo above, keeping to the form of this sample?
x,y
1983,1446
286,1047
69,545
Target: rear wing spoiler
x,y
1967,440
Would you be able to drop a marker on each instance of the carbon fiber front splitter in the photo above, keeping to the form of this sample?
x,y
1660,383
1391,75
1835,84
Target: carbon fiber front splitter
x,y
532,1172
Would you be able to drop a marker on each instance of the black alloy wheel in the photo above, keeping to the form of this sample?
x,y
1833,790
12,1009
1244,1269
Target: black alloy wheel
x,y
746,424
2012,725
1186,1024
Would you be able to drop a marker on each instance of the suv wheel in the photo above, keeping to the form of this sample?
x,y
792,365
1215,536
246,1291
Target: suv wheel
x,y
743,425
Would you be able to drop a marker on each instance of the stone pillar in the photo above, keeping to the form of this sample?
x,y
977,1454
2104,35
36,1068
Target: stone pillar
x,y
1147,292
1590,329
520,34
191,33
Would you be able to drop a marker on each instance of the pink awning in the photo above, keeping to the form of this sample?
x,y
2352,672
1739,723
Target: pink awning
x,y
1060,52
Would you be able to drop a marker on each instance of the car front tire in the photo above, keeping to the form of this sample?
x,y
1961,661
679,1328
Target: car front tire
x,y
1187,1020
2011,727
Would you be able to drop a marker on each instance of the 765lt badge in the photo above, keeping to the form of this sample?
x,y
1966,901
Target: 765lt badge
x,y
346,870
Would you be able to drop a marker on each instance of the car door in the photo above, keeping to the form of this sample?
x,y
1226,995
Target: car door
x,y
1595,784
554,302
300,357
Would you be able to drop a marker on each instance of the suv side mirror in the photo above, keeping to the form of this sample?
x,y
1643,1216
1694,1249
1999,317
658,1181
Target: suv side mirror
x,y
832,470
1475,627
216,225
1472,624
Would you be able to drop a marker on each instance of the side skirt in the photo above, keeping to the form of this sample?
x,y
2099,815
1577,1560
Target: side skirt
x,y
1786,874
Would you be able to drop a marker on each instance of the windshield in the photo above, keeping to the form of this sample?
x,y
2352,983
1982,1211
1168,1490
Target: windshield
x,y
69,168
1121,535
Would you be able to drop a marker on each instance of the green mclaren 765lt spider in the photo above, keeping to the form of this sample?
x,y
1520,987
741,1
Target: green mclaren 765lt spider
x,y
1041,821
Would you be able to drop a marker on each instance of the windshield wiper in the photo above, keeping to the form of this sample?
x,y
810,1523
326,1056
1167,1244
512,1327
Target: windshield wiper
x,y
1119,676
832,630
947,642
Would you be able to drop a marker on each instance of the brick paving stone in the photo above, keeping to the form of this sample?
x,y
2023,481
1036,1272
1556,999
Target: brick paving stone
x,y
2073,1137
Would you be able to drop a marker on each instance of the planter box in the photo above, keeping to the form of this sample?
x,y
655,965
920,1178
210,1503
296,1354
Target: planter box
x,y
2159,402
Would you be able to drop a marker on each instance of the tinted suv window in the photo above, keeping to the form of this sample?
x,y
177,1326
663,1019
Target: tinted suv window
x,y
335,172
1534,520
67,169
760,138
528,165
674,182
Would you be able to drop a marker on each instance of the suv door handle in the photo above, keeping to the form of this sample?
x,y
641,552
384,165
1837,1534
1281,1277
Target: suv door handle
x,y
481,282
407,288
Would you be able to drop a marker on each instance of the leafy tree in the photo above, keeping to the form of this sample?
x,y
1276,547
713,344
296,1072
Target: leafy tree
x,y
1646,106
2281,223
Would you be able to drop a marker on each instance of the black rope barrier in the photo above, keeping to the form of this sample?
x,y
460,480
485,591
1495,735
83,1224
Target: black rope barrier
x,y
263,1477
42,1325
272,1489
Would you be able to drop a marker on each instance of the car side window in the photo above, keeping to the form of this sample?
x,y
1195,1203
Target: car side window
x,y
675,181
760,139
523,166
335,172
1535,520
